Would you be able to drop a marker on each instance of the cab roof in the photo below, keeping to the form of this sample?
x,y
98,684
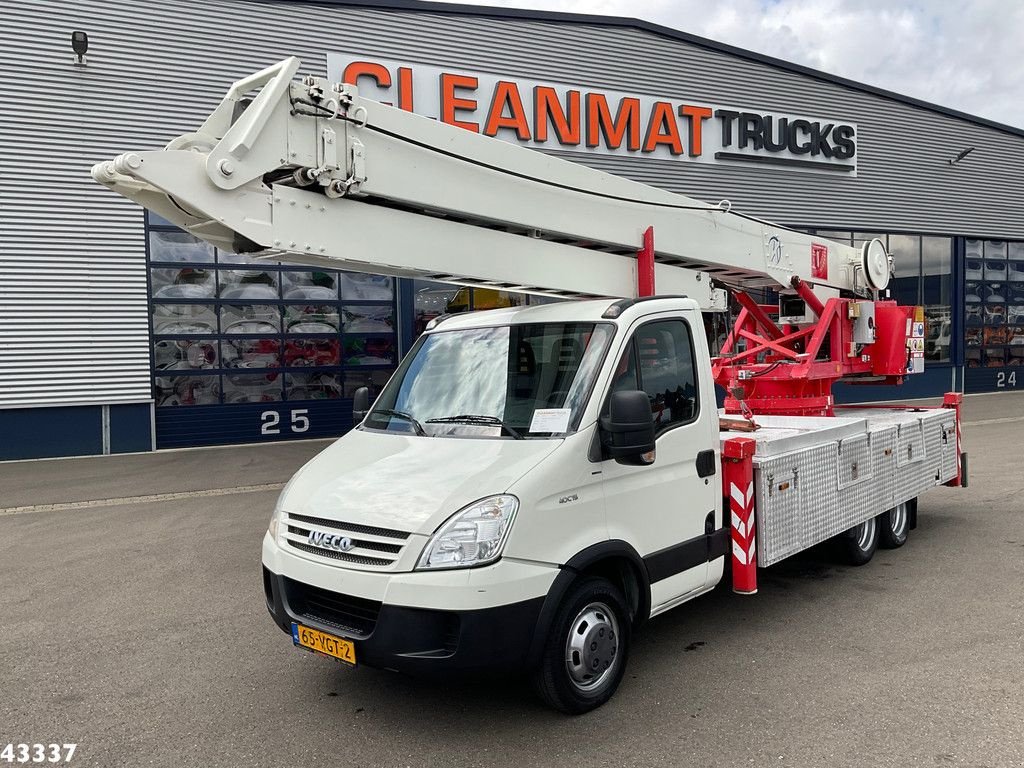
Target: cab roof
x,y
577,311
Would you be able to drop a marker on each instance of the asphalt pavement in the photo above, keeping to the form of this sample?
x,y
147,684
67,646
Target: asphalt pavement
x,y
133,624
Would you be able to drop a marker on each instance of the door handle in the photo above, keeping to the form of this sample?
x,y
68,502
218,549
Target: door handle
x,y
706,463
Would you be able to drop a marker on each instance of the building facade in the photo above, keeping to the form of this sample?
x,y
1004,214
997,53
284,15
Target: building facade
x,y
120,333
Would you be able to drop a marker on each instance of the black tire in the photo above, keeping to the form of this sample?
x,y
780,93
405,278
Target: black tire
x,y
860,542
894,526
586,650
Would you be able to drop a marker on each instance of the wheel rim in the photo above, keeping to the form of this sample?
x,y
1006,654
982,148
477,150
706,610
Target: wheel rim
x,y
865,533
591,650
898,520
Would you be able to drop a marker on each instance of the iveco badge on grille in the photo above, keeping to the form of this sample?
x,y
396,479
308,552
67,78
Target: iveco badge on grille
x,y
330,541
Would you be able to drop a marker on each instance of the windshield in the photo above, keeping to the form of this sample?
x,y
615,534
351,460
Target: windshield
x,y
515,381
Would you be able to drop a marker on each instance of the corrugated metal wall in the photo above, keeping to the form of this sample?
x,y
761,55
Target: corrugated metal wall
x,y
73,317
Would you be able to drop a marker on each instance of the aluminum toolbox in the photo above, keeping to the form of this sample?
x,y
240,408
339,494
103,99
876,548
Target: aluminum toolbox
x,y
817,477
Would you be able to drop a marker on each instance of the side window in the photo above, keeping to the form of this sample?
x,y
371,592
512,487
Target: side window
x,y
664,361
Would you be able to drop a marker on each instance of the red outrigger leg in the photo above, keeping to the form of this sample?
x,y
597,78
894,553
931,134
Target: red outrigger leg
x,y
738,488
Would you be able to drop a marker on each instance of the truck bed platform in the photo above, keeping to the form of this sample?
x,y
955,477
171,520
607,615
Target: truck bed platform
x,y
817,477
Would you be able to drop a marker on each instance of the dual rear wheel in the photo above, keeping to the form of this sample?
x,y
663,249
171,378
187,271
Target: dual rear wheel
x,y
888,530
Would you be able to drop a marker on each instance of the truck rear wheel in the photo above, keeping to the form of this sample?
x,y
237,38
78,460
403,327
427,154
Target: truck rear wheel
x,y
894,526
585,652
860,542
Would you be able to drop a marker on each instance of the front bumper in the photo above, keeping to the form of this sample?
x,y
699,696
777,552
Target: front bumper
x,y
457,628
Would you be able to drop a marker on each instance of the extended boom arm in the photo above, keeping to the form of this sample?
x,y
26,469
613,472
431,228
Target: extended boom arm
x,y
312,169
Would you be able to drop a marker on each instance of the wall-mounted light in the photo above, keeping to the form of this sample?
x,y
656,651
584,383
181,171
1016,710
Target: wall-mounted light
x,y
961,156
79,44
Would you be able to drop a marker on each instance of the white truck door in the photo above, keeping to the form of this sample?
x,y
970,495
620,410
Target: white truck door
x,y
662,509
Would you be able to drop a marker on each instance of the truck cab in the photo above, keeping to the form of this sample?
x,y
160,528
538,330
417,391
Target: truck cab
x,y
530,485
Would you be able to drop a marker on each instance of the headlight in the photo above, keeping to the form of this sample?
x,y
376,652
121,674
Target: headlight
x,y
472,536
275,519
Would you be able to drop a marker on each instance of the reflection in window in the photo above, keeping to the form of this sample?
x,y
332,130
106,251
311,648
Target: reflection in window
x,y
248,285
178,246
312,386
183,284
359,287
937,283
185,354
311,352
309,286
308,318
373,380
185,390
364,318
251,353
906,254
252,387
659,360
369,350
250,319
178,319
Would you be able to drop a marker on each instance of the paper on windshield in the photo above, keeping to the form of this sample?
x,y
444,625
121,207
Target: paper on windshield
x,y
550,420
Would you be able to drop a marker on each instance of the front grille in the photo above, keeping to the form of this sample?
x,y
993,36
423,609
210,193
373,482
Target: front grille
x,y
371,546
355,615
343,556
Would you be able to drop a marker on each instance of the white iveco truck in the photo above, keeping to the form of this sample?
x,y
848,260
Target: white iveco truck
x,y
534,483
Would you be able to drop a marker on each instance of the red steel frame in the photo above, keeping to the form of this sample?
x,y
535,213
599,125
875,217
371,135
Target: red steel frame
x,y
790,371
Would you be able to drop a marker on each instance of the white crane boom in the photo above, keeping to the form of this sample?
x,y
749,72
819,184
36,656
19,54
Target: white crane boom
x,y
312,169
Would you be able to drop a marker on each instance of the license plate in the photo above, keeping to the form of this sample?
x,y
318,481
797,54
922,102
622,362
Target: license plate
x,y
321,642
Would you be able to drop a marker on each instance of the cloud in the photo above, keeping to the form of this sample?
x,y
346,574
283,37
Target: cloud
x,y
963,54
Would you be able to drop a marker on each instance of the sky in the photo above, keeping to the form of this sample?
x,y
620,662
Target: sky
x,y
962,54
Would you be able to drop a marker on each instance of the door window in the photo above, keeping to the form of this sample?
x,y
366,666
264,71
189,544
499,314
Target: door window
x,y
659,361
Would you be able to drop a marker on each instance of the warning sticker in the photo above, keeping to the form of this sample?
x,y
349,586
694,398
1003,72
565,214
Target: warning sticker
x,y
918,330
819,261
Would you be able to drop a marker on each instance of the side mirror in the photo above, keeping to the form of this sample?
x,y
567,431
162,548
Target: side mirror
x,y
360,405
628,427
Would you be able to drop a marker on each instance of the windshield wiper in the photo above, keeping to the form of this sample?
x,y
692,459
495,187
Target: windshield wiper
x,y
404,416
469,418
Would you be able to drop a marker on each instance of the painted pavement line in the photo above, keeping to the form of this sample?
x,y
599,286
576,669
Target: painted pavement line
x,y
147,499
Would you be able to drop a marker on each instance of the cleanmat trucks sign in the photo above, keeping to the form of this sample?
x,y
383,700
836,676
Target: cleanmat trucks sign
x,y
581,119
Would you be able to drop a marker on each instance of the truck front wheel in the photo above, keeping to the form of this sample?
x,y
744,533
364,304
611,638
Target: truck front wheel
x,y
585,652
860,542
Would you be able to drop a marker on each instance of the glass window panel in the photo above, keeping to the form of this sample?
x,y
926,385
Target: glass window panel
x,y
430,300
179,319
186,390
365,318
1016,251
249,284
158,221
667,373
251,353
906,253
368,350
312,352
312,386
252,387
178,246
312,318
356,286
250,319
185,354
183,284
310,286
995,249
374,380
1015,316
